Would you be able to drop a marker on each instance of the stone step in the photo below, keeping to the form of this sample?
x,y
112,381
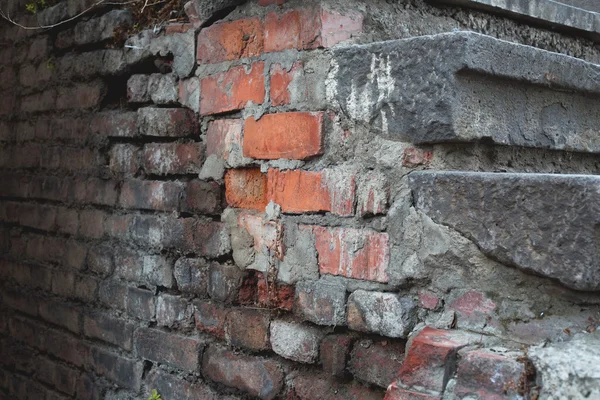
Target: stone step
x,y
465,87
541,223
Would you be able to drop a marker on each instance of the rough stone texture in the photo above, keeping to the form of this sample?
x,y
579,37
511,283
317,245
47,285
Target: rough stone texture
x,y
501,214
200,11
321,303
577,378
384,313
458,87
296,342
566,14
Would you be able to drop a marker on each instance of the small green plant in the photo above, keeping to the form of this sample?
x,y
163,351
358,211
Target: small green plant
x,y
35,5
51,64
154,395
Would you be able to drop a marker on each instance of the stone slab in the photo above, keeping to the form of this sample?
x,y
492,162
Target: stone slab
x,y
569,15
541,223
467,87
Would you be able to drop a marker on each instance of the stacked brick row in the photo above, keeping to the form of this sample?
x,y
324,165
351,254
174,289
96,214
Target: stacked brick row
x,y
186,215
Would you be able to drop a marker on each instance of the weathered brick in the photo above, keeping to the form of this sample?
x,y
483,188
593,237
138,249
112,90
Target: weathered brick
x,y
299,191
86,289
172,387
189,93
230,41
167,122
203,197
108,329
309,29
114,124
232,90
66,347
140,304
335,352
112,294
224,282
191,275
246,188
63,283
210,317
152,195
428,300
474,310
123,159
297,342
173,158
489,374
293,135
91,224
67,221
372,194
137,88
123,371
431,360
145,268
256,376
175,350
354,253
88,389
376,363
174,312
163,88
61,314
413,157
206,238
100,260
248,329
256,292
398,393
321,303
387,314
311,386
80,96
20,302
281,81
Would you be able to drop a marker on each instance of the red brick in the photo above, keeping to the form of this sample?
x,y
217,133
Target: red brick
x,y
248,329
306,191
281,79
431,359
295,136
309,29
246,188
353,253
232,90
173,158
256,292
335,352
397,393
428,300
414,157
177,351
489,375
257,376
373,194
376,363
473,310
210,317
224,138
230,41
178,27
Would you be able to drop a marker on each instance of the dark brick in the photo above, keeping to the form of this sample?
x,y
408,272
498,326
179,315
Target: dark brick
x,y
140,303
86,289
172,387
100,260
335,352
123,371
191,275
20,302
309,386
144,268
257,376
210,317
109,329
88,389
177,351
248,329
376,363
206,238
224,282
113,294
66,348
174,312
152,195
114,124
169,122
321,303
203,198
61,314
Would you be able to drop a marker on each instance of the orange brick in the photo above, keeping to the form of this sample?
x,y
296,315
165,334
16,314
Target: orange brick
x,y
309,29
295,136
304,191
280,82
230,41
233,89
246,188
353,253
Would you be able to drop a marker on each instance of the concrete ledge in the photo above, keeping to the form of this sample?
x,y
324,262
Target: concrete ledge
x,y
464,87
556,14
545,224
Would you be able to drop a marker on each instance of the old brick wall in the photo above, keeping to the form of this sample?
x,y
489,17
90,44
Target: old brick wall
x,y
194,212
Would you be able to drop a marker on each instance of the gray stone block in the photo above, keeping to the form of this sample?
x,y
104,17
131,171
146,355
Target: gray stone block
x,y
545,224
465,87
579,15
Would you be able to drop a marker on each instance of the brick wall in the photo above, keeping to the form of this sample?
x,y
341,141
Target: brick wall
x,y
192,213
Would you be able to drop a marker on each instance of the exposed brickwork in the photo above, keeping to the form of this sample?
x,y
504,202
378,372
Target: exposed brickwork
x,y
230,40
